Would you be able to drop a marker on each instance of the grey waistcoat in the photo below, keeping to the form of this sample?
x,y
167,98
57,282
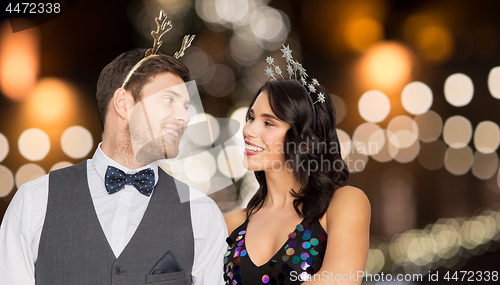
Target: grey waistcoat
x,y
74,250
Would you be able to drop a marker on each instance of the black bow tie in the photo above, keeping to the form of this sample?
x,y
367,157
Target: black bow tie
x,y
143,180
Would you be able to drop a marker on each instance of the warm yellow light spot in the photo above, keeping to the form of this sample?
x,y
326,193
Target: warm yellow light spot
x,y
386,66
408,154
435,42
19,60
51,100
362,32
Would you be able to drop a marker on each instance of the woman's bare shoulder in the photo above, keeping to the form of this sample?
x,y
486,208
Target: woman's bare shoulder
x,y
348,202
234,219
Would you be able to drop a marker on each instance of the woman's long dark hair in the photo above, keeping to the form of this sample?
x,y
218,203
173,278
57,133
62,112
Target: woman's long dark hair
x,y
314,154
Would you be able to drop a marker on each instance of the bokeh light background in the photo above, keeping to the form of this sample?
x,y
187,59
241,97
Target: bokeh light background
x,y
416,86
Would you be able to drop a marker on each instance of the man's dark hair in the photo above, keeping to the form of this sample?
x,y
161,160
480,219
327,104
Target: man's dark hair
x,y
113,75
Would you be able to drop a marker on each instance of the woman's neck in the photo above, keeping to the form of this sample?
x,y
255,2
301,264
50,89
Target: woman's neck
x,y
279,185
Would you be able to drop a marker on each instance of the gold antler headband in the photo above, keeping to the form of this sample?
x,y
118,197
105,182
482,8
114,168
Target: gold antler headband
x,y
162,27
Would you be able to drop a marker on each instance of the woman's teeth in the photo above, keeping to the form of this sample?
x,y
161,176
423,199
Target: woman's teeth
x,y
253,148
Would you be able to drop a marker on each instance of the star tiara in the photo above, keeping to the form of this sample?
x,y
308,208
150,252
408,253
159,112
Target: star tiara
x,y
162,27
293,68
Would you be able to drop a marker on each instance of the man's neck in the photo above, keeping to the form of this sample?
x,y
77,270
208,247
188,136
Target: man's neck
x,y
119,149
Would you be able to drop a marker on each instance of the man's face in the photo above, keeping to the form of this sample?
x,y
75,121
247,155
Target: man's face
x,y
159,119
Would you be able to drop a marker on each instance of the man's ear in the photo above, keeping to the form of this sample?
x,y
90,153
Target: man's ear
x,y
122,100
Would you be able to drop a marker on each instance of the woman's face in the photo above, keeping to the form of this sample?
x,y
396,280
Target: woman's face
x,y
264,136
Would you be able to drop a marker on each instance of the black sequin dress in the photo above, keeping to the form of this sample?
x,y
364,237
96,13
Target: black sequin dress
x,y
301,254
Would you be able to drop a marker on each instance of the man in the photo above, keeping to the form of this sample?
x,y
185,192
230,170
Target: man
x,y
118,218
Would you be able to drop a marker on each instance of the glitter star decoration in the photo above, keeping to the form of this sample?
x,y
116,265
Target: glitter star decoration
x,y
287,52
278,71
269,72
270,60
315,81
311,88
321,98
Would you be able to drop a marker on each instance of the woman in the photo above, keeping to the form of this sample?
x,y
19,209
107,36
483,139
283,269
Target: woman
x,y
303,221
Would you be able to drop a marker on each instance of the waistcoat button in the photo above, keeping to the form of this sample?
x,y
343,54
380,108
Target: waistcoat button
x,y
118,270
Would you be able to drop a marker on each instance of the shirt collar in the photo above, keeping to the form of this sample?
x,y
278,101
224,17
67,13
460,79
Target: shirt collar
x,y
101,162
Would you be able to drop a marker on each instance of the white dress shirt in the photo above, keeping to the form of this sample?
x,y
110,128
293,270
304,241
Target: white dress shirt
x,y
119,215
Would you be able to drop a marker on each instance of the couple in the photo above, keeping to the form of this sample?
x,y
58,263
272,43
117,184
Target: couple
x,y
119,219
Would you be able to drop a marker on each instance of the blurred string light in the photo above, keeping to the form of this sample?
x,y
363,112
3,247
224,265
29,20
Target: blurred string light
x,y
76,142
345,143
255,24
368,138
485,165
19,60
28,172
416,98
458,89
402,131
340,108
494,82
457,132
487,137
219,80
430,126
374,106
34,144
61,164
7,179
388,152
441,244
4,147
458,161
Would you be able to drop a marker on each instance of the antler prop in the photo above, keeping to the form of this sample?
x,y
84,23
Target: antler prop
x,y
162,26
186,42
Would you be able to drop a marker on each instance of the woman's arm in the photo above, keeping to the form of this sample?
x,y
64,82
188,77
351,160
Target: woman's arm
x,y
347,223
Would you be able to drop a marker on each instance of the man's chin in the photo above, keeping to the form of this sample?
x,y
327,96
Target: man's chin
x,y
155,150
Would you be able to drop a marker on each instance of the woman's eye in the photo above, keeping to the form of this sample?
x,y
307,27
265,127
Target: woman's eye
x,y
269,124
168,99
250,118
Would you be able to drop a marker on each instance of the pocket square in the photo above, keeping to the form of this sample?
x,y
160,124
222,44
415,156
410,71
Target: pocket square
x,y
167,264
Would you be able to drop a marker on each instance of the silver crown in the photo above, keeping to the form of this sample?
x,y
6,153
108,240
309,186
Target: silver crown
x,y
293,68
